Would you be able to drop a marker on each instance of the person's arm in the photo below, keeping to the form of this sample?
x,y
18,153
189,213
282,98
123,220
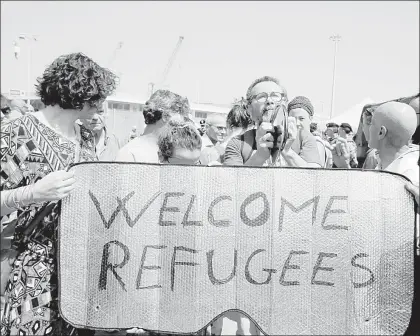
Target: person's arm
x,y
256,160
308,156
53,187
341,154
233,155
14,199
294,160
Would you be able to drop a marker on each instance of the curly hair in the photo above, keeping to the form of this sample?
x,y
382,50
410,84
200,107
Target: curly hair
x,y
238,116
261,80
178,134
73,80
164,103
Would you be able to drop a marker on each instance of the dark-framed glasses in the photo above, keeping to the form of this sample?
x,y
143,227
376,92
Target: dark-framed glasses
x,y
275,97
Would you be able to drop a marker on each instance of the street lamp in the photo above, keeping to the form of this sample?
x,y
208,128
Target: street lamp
x,y
28,38
335,38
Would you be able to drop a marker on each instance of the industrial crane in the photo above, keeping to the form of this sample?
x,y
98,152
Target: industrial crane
x,y
114,54
168,66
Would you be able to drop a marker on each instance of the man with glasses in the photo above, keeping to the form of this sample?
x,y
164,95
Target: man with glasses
x,y
215,135
276,141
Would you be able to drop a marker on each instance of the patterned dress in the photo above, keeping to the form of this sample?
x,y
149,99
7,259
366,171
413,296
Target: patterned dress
x,y
29,151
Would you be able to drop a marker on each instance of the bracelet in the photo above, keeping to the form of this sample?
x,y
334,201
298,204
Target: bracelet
x,y
17,198
7,194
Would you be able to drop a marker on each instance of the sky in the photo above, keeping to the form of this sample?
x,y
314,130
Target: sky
x,y
226,46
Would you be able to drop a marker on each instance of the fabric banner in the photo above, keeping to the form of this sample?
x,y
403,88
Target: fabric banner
x,y
299,251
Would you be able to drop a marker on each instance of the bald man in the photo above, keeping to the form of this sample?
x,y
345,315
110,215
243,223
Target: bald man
x,y
215,134
390,132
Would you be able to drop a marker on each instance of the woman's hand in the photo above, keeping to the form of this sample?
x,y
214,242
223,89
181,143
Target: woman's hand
x,y
53,187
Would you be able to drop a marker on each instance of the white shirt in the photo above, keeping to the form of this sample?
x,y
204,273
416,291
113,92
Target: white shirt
x,y
406,164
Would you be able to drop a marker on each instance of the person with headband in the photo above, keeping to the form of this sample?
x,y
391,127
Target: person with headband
x,y
37,150
276,140
302,110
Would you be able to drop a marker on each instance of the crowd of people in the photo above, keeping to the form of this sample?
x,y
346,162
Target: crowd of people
x,y
262,129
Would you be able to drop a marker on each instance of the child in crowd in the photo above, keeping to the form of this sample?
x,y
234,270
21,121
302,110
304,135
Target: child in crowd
x,y
179,143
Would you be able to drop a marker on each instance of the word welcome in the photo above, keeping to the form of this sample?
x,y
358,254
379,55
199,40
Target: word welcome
x,y
223,200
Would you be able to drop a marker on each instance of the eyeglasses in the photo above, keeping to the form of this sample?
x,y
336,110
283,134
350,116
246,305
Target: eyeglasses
x,y
275,97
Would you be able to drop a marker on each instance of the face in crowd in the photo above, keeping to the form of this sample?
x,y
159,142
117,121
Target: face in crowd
x,y
302,110
263,98
95,119
179,143
332,131
216,128
344,130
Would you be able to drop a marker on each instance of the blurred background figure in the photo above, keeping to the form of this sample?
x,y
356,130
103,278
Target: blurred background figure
x,y
321,142
346,132
212,151
18,108
133,133
5,108
371,160
202,128
38,105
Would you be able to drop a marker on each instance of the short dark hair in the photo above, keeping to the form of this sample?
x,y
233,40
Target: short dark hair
x,y
164,102
238,116
178,134
261,80
346,127
73,80
334,127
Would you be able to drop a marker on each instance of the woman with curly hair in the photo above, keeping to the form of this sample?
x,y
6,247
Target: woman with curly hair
x,y
158,110
36,150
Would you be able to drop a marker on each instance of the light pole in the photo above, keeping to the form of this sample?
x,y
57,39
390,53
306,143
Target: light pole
x,y
28,38
335,38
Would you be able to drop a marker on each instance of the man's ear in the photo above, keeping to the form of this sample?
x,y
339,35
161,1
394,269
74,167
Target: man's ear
x,y
382,133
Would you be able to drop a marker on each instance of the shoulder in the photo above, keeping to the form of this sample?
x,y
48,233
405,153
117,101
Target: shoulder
x,y
139,150
206,141
306,138
247,137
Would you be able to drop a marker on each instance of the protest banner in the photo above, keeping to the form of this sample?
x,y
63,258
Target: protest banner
x,y
300,251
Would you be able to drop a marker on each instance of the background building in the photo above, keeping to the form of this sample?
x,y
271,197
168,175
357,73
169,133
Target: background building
x,y
124,111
